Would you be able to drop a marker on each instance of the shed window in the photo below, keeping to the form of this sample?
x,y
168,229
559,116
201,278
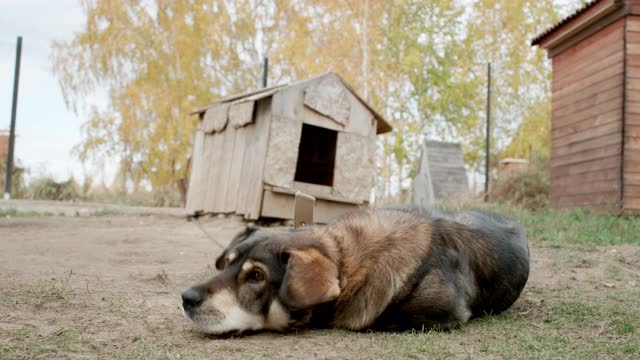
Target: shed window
x,y
316,155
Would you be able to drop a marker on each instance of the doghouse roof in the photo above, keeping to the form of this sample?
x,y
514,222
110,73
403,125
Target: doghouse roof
x,y
382,125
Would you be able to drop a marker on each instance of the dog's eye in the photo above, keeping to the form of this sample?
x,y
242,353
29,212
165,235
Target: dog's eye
x,y
255,276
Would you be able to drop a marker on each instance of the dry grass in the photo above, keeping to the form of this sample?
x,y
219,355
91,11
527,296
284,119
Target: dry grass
x,y
548,322
581,301
527,188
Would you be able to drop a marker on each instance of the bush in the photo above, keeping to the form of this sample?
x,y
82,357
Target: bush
x,y
18,188
48,189
527,188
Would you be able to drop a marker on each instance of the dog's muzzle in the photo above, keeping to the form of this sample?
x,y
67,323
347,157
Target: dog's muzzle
x,y
192,298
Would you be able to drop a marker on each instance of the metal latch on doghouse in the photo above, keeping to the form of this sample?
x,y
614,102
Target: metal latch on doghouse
x,y
303,209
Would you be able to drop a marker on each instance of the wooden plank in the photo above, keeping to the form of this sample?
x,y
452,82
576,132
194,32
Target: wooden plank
x,y
254,159
588,47
611,174
632,145
361,120
630,192
354,166
633,84
632,204
604,201
282,153
633,37
633,71
632,107
632,164
196,189
588,155
241,114
215,118
229,137
631,178
631,156
614,17
288,103
633,131
608,34
558,102
311,189
214,154
631,141
586,166
579,105
587,80
275,205
280,206
633,60
318,195
591,187
312,117
328,96
595,111
287,115
633,49
233,190
632,119
633,96
633,23
558,150
245,172
610,54
587,129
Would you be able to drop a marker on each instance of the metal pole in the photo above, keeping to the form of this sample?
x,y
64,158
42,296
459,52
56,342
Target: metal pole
x,y
265,71
12,132
488,142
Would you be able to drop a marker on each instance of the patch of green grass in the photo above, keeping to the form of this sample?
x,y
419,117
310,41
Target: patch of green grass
x,y
627,327
106,212
579,227
557,228
8,213
614,272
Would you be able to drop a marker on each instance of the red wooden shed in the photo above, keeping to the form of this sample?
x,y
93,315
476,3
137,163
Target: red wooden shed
x,y
595,123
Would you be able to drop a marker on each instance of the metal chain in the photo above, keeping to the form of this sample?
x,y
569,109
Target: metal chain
x,y
206,234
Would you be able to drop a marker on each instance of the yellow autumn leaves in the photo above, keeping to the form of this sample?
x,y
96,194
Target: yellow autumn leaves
x,y
420,63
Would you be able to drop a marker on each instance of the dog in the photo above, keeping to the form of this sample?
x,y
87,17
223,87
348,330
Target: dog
x,y
383,269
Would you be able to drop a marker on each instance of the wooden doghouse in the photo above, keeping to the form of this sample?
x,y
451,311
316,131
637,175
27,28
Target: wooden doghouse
x,y
253,151
441,173
595,125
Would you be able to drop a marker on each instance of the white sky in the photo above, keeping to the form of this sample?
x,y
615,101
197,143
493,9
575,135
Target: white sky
x,y
46,129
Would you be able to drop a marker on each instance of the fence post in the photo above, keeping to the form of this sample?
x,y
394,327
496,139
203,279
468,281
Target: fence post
x,y
12,131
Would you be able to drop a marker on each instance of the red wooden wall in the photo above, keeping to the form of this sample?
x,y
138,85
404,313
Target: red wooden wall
x,y
587,113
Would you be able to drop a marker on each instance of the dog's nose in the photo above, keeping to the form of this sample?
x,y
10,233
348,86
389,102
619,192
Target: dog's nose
x,y
192,297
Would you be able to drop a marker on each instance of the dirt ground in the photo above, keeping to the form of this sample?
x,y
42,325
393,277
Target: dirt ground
x,y
109,287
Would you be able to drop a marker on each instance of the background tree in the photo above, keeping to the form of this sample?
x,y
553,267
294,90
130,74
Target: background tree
x,y
421,64
521,105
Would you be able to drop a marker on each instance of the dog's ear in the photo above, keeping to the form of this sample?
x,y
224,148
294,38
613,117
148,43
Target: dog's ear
x,y
310,279
223,260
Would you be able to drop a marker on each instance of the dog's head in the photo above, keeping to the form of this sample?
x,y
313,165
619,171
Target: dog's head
x,y
269,279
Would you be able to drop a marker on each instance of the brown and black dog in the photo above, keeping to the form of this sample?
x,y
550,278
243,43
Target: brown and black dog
x,y
386,269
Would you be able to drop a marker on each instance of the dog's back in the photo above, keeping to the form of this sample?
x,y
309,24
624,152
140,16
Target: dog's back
x,y
477,264
502,269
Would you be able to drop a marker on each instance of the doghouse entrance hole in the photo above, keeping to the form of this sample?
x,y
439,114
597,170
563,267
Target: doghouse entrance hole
x,y
316,155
